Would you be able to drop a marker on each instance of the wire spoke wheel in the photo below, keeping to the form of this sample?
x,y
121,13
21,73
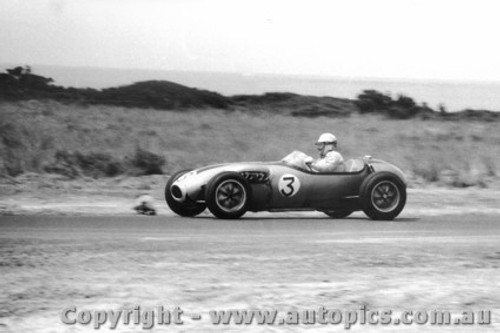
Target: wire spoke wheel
x,y
231,195
385,196
228,195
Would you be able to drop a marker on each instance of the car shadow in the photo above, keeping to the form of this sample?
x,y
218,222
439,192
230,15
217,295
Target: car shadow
x,y
318,218
397,220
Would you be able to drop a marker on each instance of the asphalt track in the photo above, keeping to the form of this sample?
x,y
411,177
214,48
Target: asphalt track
x,y
256,229
203,263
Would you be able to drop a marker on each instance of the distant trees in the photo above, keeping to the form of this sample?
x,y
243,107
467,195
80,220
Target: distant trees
x,y
372,101
20,81
28,80
404,107
161,95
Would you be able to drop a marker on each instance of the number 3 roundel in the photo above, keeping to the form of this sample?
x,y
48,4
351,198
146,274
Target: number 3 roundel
x,y
288,185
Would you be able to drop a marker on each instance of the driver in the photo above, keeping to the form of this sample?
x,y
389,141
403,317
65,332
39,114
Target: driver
x,y
329,160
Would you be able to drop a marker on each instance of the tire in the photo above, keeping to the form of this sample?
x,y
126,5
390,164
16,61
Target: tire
x,y
383,196
227,195
339,214
180,208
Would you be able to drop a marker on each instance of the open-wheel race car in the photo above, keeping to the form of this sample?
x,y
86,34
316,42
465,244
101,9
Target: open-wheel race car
x,y
229,190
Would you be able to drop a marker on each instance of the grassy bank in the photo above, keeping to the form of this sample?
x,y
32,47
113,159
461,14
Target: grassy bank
x,y
452,153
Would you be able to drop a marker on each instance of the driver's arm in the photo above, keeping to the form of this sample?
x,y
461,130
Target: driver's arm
x,y
330,163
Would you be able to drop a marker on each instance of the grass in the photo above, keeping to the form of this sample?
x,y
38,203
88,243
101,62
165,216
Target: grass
x,y
454,153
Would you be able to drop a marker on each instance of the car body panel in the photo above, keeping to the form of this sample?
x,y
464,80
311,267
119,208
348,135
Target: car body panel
x,y
380,166
310,190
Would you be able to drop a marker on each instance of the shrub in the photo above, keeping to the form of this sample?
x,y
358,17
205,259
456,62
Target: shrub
x,y
429,172
12,164
76,164
372,100
64,164
11,136
13,148
405,102
266,98
398,112
147,162
99,164
403,107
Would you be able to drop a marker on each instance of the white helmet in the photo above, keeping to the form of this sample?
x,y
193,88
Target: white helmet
x,y
327,138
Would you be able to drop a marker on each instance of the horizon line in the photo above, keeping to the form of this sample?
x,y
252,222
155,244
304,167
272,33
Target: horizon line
x,y
274,75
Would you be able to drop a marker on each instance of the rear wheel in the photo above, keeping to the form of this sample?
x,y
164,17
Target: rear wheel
x,y
185,209
339,214
383,196
227,195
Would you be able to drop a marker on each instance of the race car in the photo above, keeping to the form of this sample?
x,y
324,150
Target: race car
x,y
229,190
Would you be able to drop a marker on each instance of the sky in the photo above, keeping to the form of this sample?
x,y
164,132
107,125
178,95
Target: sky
x,y
421,39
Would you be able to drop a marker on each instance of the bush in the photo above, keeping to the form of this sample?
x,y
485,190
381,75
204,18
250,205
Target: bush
x,y
99,164
405,102
429,172
147,162
13,150
76,164
403,107
12,164
372,100
398,112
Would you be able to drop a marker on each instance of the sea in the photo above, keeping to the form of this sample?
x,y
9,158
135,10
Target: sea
x,y
452,95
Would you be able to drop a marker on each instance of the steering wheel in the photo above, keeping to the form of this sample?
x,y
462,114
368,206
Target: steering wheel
x,y
308,164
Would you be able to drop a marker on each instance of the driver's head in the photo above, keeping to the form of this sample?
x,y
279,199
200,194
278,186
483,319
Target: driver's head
x,y
326,143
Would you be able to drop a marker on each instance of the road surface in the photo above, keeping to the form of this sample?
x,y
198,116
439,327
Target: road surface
x,y
49,263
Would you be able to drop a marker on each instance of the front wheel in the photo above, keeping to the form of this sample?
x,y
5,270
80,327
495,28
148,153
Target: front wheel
x,y
227,195
184,209
383,196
